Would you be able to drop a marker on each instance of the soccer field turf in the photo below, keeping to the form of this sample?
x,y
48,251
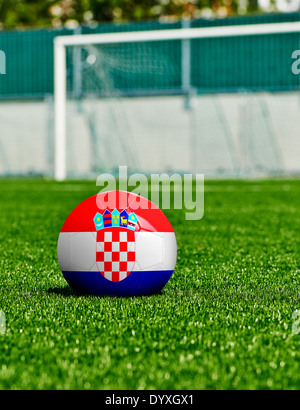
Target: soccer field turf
x,y
224,320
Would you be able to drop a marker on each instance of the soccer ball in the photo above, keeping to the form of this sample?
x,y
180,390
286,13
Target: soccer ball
x,y
117,243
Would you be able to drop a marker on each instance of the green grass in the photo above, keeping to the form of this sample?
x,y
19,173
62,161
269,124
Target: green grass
x,y
224,320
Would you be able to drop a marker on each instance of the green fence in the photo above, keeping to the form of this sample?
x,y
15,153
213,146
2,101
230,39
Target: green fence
x,y
29,59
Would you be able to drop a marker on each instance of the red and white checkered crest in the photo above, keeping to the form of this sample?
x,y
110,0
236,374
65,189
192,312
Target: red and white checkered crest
x,y
115,253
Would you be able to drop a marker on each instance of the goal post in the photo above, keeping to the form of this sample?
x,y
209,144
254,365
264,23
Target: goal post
x,y
60,98
85,40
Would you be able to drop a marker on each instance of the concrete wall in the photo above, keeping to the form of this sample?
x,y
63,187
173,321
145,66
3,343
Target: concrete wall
x,y
225,134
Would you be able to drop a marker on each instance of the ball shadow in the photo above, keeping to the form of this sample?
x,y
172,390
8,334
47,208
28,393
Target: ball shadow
x,y
63,291
67,291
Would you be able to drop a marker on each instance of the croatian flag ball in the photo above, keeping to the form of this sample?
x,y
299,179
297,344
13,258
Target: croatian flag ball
x,y
117,243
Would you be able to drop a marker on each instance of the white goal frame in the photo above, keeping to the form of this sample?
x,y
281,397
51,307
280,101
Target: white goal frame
x,y
60,71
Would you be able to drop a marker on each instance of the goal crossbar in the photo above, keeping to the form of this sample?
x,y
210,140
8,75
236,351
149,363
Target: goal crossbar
x,y
60,71
177,34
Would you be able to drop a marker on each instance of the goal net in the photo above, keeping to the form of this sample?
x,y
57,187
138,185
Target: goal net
x,y
220,101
